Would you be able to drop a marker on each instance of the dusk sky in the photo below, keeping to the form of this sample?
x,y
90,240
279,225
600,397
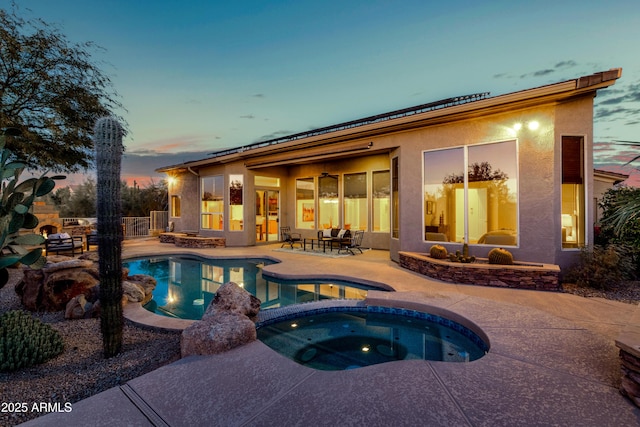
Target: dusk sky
x,y
200,76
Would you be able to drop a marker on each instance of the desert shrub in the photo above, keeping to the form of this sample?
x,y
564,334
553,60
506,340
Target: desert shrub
x,y
602,267
26,341
618,225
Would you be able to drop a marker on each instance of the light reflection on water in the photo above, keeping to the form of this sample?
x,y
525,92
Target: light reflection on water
x,y
186,285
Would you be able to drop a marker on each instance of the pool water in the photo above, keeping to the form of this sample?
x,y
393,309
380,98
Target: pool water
x,y
187,284
357,337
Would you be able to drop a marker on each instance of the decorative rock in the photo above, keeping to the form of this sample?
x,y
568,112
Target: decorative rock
x,y
51,288
227,323
79,308
231,298
132,291
62,279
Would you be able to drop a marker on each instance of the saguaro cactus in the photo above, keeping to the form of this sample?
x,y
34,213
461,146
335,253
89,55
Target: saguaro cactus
x,y
108,144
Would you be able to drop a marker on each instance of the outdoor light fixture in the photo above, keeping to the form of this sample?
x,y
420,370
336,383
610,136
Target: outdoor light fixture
x,y
532,125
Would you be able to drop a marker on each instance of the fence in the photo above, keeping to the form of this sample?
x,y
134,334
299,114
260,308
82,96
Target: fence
x,y
133,227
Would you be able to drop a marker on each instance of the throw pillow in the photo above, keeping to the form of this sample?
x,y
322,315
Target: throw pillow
x,y
341,233
326,232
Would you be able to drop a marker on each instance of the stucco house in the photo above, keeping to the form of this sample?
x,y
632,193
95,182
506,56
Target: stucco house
x,y
513,170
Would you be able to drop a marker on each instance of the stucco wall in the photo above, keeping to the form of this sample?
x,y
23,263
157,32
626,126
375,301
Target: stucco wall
x,y
539,179
539,175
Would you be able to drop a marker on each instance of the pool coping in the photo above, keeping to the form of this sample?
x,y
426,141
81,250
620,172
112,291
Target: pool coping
x,y
138,315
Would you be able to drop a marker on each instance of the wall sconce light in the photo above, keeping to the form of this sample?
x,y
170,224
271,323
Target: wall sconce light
x,y
172,180
532,125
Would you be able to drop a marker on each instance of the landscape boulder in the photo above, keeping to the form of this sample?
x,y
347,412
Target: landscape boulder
x,y
79,308
60,283
228,322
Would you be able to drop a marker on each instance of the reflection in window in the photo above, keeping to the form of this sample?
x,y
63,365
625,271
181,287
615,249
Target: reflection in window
x,y
305,203
212,194
236,207
328,201
381,215
573,207
477,206
355,201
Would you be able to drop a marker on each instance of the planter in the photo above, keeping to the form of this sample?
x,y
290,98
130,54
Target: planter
x,y
520,275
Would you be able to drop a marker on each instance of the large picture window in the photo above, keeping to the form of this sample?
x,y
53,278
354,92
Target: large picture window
x,y
305,203
573,206
471,194
175,206
355,201
236,204
212,195
381,213
395,197
328,216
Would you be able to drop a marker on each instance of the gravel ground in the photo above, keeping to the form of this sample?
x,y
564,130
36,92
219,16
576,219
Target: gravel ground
x,y
81,371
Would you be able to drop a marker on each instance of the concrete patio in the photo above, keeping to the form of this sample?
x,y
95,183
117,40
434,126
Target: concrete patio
x,y
552,361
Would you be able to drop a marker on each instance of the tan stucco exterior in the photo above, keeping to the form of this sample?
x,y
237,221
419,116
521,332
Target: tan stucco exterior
x,y
563,109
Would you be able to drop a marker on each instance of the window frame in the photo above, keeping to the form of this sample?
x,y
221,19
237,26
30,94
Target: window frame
x,y
465,186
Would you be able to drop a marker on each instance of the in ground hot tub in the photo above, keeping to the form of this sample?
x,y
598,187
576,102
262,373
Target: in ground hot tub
x,y
338,338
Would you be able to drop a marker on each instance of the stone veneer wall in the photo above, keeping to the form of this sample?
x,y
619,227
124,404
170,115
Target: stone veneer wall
x,y
630,384
629,344
181,240
544,277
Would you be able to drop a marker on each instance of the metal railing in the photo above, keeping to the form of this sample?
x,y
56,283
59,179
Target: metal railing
x,y
133,227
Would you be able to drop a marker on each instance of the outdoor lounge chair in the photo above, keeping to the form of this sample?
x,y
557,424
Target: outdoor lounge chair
x,y
63,242
289,238
351,244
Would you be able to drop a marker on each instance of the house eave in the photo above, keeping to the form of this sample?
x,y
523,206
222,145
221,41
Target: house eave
x,y
549,94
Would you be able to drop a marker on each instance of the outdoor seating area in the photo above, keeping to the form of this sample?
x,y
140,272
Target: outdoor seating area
x,y
289,238
63,243
334,236
349,245
92,239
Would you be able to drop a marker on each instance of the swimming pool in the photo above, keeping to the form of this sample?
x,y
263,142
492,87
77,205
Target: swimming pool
x,y
339,338
187,284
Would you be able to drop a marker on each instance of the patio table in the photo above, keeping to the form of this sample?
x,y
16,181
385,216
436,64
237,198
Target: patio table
x,y
315,239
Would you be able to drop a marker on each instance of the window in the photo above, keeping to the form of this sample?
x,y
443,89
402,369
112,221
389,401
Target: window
x,y
236,205
328,201
381,197
305,203
175,206
573,206
266,181
395,193
212,192
355,201
470,194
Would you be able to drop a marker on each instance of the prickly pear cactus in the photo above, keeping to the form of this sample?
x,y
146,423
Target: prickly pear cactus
x,y
108,144
17,199
438,252
500,256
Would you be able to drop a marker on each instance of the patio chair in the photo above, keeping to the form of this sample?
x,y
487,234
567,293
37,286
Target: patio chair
x,y
353,243
289,238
